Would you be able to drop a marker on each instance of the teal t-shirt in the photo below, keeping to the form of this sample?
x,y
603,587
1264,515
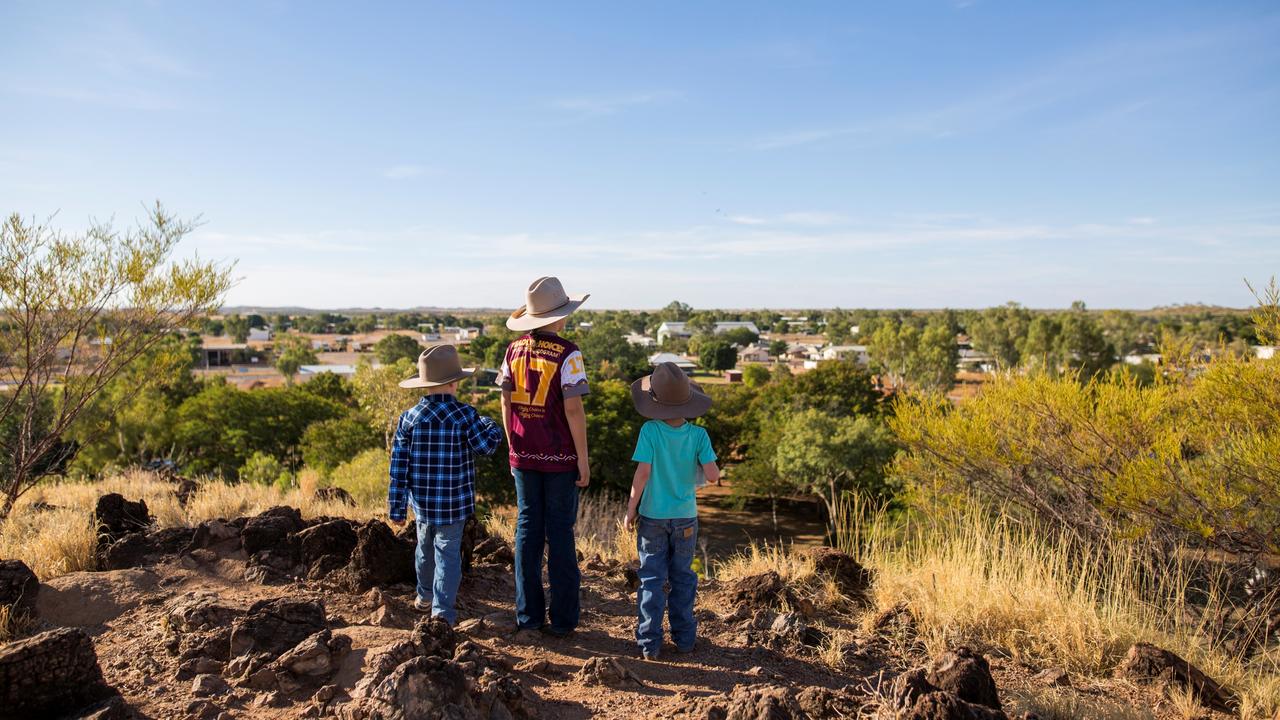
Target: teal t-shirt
x,y
675,455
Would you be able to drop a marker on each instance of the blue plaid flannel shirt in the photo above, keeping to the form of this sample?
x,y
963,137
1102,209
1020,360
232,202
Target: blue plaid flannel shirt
x,y
433,459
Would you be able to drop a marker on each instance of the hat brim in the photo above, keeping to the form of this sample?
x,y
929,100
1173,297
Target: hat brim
x,y
418,382
696,406
522,320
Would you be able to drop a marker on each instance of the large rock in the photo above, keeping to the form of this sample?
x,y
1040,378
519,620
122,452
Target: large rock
x,y
956,686
275,626
50,675
218,535
378,559
334,494
271,530
118,517
849,575
326,546
135,549
967,675
1146,664
18,586
776,702
421,688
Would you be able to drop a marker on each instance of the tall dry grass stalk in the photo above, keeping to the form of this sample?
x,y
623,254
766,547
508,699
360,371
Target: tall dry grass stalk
x,y
60,540
987,579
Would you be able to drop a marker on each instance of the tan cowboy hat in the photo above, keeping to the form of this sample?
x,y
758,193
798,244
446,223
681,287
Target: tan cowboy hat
x,y
544,303
437,366
668,394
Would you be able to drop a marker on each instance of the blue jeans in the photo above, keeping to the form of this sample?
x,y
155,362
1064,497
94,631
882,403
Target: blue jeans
x,y
439,565
666,554
548,509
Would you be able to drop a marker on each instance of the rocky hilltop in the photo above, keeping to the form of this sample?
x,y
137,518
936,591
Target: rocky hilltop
x,y
274,616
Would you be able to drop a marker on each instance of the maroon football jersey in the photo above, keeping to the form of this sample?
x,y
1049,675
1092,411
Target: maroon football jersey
x,y
541,370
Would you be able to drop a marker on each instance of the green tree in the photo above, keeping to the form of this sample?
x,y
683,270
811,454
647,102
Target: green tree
x,y
262,469
611,434
211,326
754,376
219,428
131,421
829,457
366,323
378,392
332,386
606,342
998,331
1266,315
777,348
739,336
329,443
237,328
1082,346
395,347
892,348
79,310
292,352
717,355
675,311
933,361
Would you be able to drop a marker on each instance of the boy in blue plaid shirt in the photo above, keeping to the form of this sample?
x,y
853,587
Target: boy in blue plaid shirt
x,y
433,468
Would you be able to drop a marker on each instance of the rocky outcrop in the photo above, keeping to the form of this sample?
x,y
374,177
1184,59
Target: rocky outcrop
x,y
1148,664
334,494
955,686
137,548
853,580
53,674
379,558
18,586
118,517
609,672
326,546
432,676
777,702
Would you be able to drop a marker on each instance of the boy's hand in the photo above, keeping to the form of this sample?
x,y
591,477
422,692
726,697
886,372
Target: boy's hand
x,y
629,522
584,473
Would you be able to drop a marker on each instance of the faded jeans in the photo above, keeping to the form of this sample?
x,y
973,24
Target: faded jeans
x,y
439,565
666,554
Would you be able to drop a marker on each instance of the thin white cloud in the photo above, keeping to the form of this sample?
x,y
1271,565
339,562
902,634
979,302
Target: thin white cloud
x,y
747,220
404,172
591,106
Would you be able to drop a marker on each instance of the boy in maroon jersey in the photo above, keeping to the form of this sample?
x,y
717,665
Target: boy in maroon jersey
x,y
543,380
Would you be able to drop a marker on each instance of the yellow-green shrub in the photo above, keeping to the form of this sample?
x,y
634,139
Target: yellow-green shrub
x,y
366,477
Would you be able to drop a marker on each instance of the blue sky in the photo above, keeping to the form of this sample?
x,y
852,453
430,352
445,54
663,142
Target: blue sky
x,y
736,154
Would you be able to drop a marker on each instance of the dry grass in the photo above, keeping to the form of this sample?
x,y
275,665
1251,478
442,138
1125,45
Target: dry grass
x,y
1038,596
599,529
794,567
1053,704
61,540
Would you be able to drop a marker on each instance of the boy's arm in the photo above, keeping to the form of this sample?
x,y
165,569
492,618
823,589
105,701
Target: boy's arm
x,y
398,489
483,434
506,415
712,472
577,417
638,483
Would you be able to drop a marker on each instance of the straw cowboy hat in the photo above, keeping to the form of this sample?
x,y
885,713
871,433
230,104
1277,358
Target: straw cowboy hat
x,y
544,303
668,394
437,366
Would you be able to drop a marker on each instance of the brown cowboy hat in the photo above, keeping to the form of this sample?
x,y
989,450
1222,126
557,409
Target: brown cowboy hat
x,y
668,394
437,366
544,303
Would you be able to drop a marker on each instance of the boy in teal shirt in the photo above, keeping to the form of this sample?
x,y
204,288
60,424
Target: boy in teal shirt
x,y
669,455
